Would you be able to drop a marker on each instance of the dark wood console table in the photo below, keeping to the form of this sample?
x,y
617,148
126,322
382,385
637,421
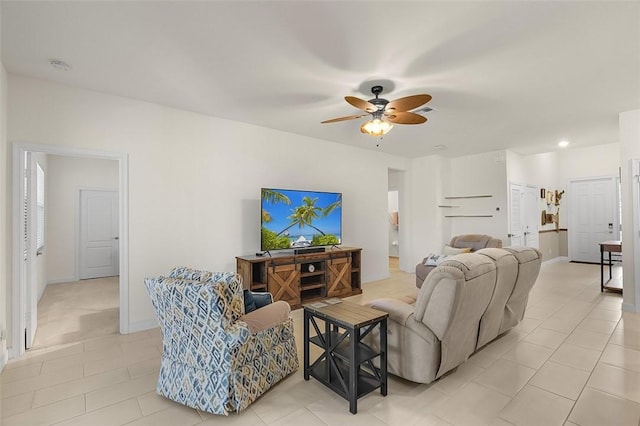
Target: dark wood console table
x,y
610,247
346,365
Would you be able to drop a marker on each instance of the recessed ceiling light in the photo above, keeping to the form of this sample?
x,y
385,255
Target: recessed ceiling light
x,y
563,144
59,65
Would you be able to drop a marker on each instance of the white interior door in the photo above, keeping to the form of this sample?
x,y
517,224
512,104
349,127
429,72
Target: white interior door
x,y
516,226
30,284
523,215
593,217
99,240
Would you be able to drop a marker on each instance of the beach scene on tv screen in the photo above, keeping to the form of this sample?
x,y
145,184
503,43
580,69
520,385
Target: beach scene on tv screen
x,y
298,219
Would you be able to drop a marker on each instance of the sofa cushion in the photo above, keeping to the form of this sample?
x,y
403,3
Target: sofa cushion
x,y
471,264
475,241
449,251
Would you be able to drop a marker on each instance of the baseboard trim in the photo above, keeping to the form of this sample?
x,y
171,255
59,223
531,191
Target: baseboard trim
x,y
628,307
556,259
142,325
62,280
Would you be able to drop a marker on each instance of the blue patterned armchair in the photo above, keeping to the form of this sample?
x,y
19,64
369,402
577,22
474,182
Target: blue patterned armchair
x,y
215,358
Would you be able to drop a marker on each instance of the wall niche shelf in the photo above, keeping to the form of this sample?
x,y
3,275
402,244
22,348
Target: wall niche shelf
x,y
470,215
467,196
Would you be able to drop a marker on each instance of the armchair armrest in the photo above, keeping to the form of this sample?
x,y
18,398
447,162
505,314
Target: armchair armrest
x,y
398,311
267,316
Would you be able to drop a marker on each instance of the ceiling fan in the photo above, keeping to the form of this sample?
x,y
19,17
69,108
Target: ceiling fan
x,y
385,113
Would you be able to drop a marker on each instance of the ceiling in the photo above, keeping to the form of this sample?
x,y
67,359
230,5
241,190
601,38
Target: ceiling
x,y
503,75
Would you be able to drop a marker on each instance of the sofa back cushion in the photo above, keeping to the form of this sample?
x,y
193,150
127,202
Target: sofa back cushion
x,y
475,241
451,302
506,275
529,261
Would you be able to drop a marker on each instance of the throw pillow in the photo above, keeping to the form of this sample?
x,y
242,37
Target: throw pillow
x,y
434,259
249,303
448,250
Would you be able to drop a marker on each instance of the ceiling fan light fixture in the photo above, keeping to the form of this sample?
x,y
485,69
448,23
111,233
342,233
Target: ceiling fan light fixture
x,y
376,127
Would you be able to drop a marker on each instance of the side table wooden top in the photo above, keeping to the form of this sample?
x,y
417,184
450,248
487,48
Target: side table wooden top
x,y
347,313
614,246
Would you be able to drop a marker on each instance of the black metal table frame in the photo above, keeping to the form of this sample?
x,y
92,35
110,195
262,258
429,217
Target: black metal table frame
x,y
330,340
602,250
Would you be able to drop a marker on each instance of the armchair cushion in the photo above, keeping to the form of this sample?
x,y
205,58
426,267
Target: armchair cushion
x,y
255,300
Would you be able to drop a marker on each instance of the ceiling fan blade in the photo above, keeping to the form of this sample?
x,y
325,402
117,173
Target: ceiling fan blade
x,y
361,104
402,117
349,117
407,103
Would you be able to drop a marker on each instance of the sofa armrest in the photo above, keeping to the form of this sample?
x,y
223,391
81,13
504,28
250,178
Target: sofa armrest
x,y
267,316
398,311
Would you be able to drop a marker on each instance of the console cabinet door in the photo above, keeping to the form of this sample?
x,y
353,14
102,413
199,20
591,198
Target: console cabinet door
x,y
339,274
283,282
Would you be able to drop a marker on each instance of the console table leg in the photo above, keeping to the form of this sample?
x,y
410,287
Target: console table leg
x,y
353,370
383,357
306,345
601,269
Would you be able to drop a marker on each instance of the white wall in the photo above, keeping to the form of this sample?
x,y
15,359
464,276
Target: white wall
x,y
480,174
426,231
593,161
65,177
630,149
4,224
553,170
194,180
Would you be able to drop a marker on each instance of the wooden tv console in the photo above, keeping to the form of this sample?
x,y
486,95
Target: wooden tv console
x,y
301,278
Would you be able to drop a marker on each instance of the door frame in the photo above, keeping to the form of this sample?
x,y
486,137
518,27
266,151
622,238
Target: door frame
x,y
18,296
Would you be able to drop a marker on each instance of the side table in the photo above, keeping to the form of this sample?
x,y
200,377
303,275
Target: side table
x,y
346,365
610,247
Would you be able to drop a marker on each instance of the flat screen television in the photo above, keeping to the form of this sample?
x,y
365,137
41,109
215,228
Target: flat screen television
x,y
293,219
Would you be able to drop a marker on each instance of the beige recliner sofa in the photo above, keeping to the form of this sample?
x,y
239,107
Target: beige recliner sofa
x,y
465,302
471,241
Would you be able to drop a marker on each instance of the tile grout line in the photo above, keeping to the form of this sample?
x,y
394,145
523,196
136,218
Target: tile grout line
x,y
549,359
593,369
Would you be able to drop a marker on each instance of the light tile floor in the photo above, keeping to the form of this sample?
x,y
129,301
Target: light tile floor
x,y
75,311
574,360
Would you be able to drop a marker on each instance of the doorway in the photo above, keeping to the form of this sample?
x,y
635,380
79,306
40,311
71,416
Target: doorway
x,y
25,306
395,179
523,215
594,216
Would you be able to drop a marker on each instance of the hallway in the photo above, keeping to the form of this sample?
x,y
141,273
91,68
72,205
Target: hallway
x,y
75,311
